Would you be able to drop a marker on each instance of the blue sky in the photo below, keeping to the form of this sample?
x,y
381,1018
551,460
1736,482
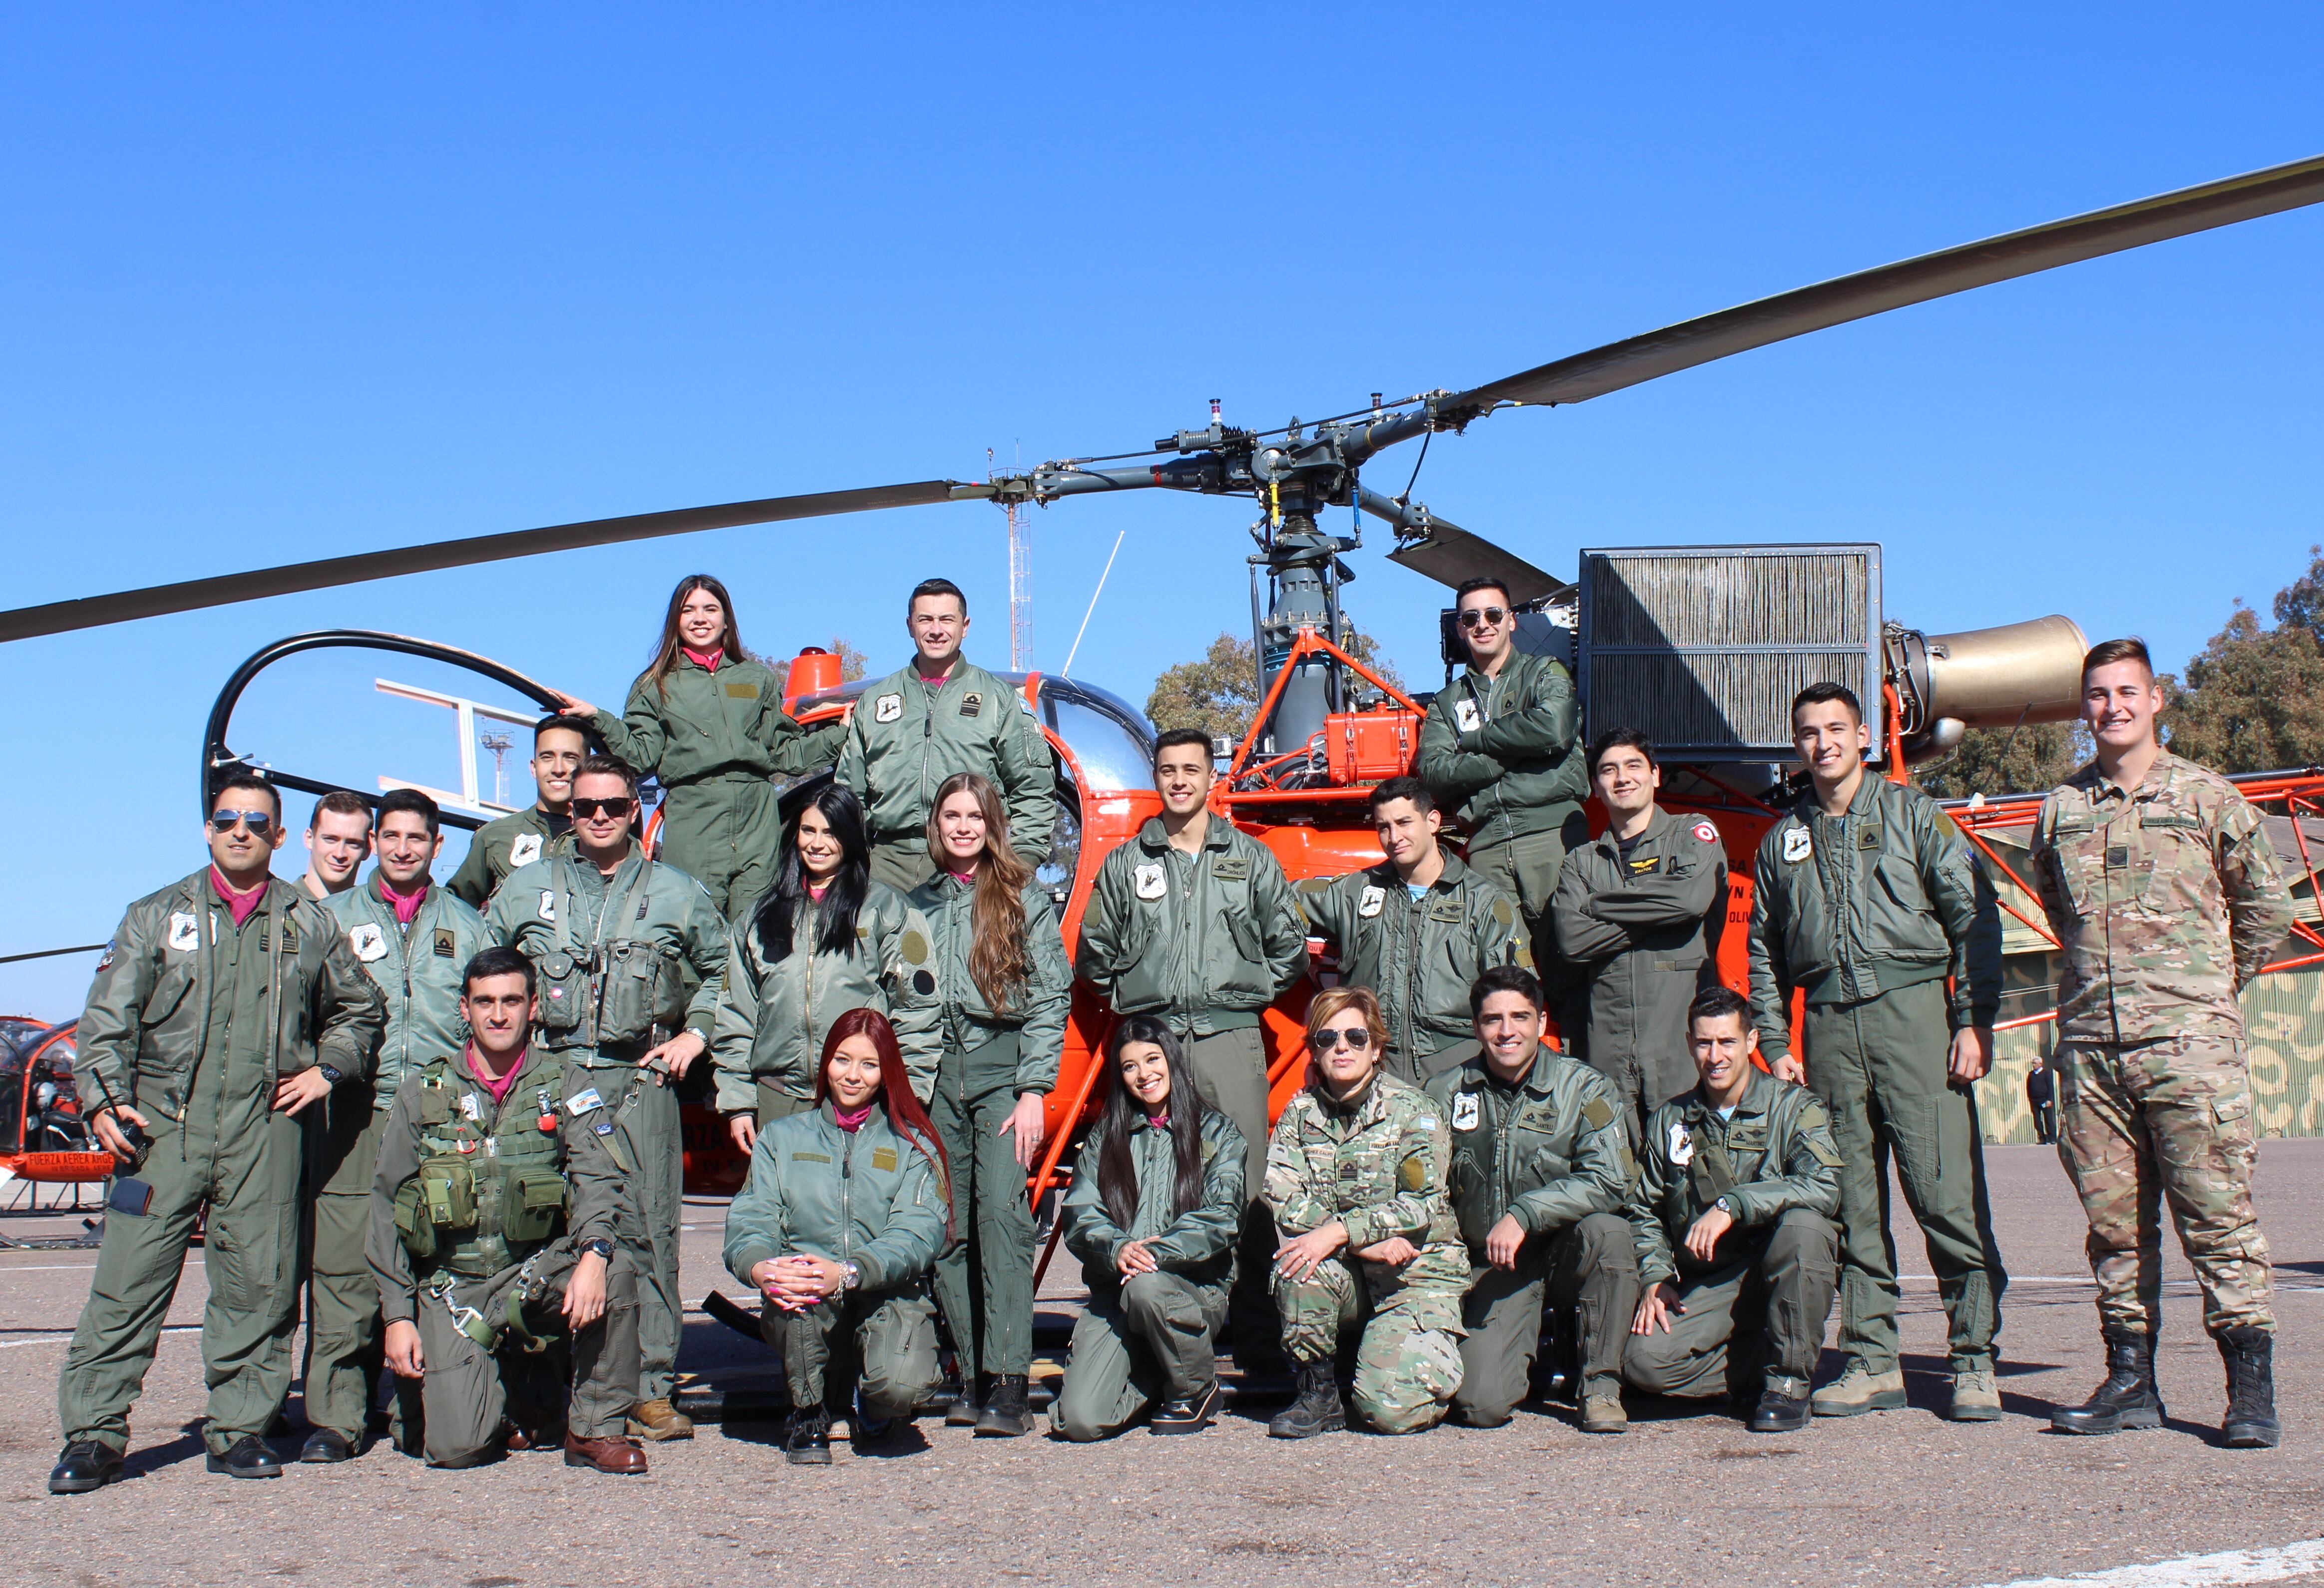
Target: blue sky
x,y
288,283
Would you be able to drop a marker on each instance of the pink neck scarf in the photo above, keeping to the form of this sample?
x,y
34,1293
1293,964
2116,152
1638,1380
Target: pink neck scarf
x,y
405,905
238,904
851,1119
707,660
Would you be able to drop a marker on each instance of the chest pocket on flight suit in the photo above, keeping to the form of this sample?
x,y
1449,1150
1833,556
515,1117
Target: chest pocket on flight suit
x,y
169,991
2177,858
1533,1136
637,990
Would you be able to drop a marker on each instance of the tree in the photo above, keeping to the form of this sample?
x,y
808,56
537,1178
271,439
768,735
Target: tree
x,y
2000,760
1220,693
851,660
2253,698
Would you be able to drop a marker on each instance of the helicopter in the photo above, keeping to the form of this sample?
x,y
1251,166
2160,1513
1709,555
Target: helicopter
x,y
1702,647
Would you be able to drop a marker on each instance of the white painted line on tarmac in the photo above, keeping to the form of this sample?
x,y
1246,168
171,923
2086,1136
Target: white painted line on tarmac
x,y
182,1328
2228,1567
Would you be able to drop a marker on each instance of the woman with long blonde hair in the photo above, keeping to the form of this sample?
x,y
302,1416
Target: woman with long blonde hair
x,y
995,967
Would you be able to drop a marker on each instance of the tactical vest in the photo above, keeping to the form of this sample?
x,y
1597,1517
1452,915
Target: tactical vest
x,y
491,1190
611,991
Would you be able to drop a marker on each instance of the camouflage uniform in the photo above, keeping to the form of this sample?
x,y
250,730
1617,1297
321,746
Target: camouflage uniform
x,y
1378,1165
2165,899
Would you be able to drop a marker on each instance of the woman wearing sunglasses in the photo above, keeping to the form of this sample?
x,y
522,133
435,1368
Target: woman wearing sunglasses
x,y
1356,1176
1155,1226
994,974
824,939
843,1214
708,721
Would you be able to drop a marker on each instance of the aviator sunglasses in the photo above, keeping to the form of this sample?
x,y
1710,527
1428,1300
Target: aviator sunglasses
x,y
1495,616
618,807
1324,1041
260,823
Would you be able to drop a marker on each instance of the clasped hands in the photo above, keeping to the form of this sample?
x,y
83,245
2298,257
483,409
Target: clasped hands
x,y
797,1281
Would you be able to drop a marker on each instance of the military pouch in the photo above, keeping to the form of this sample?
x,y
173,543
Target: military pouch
x,y
564,991
1714,1174
533,1205
629,1004
419,1233
447,1194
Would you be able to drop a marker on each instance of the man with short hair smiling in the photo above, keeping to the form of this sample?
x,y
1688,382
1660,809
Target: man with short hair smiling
x,y
1417,928
939,715
1733,1214
1639,912
1193,921
1540,1181
1502,749
224,1006
559,745
413,938
491,1232
1867,903
608,929
339,837
2165,898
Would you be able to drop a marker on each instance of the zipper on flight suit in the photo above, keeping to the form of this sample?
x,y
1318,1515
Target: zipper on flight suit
x,y
847,1196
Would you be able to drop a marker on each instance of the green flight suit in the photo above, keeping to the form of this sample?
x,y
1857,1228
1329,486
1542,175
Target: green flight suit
x,y
1504,757
1206,943
1148,1337
611,954
1642,930
192,1021
874,1197
1376,1164
1552,1153
418,970
1421,956
990,1058
478,1214
907,736
1868,914
714,739
1777,1167
499,847
772,1017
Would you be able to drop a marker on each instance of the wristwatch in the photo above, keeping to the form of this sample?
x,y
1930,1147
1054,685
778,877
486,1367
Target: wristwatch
x,y
330,1073
699,1035
1725,1206
600,1248
853,1276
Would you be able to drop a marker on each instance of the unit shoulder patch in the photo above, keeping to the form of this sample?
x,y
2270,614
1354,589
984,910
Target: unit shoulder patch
x,y
1798,845
887,708
1465,717
1466,1112
1149,879
524,851
185,930
1706,832
368,942
1412,1174
1682,1143
548,904
1597,1113
1370,904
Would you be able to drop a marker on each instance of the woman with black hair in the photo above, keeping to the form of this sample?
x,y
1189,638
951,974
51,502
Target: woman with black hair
x,y
824,939
1153,1216
708,721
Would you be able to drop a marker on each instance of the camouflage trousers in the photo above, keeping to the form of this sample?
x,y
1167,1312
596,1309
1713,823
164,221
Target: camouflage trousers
x,y
2141,1125
1409,1363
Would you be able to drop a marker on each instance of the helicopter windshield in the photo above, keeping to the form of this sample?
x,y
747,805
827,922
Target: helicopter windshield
x,y
1112,758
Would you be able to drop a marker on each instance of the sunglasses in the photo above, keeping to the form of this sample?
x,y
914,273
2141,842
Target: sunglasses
x,y
1475,616
1326,1040
618,807
260,823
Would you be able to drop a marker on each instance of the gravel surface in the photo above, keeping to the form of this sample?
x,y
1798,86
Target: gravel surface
x,y
1684,1498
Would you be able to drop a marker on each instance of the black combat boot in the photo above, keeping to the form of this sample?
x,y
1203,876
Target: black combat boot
x,y
2251,1422
1007,1410
247,1457
2127,1399
86,1465
806,1437
1318,1409
1783,1406
968,1405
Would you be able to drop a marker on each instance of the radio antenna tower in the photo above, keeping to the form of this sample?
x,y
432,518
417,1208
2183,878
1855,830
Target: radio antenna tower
x,y
499,744
1020,582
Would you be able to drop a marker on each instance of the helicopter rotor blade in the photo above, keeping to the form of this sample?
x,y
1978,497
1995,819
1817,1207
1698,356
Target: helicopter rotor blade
x,y
1450,555
1835,302
93,611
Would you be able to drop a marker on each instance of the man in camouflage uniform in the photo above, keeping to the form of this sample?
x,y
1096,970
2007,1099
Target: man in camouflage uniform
x,y
1867,903
2164,895
938,715
1540,1181
1418,929
1355,1173
559,745
1733,1215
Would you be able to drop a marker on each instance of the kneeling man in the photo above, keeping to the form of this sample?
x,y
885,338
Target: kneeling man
x,y
1733,1215
491,1226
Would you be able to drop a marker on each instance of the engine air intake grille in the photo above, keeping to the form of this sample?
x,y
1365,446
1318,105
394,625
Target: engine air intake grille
x,y
1703,648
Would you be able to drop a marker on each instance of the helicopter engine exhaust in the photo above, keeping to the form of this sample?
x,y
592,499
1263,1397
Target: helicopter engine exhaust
x,y
2002,677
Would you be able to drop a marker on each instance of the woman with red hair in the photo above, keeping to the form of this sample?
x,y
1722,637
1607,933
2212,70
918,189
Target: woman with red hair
x,y
842,1216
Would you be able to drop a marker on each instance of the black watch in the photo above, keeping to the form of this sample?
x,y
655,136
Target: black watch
x,y
600,1247
331,1075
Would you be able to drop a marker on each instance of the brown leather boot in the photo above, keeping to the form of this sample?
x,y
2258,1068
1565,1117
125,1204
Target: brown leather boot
x,y
624,1458
658,1420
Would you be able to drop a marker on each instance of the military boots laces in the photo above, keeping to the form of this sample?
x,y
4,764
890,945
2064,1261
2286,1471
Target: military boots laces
x,y
1317,1411
2250,1354
806,1438
2127,1399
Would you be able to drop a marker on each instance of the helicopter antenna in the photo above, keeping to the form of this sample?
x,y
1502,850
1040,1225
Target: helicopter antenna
x,y
1067,670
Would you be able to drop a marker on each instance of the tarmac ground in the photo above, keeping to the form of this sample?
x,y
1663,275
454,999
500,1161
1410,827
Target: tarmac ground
x,y
1687,1496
